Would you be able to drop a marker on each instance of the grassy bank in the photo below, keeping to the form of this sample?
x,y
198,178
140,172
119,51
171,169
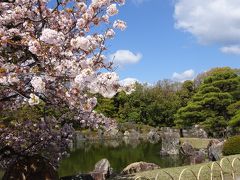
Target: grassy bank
x,y
205,174
197,143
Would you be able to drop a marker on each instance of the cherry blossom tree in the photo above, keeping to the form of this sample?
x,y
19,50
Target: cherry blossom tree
x,y
54,55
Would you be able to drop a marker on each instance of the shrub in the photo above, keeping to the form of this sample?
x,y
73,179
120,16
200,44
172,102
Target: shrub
x,y
232,146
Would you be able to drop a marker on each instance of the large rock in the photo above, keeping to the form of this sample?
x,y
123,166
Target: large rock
x,y
215,148
199,132
133,134
31,168
187,149
112,133
197,157
153,136
139,167
102,170
170,143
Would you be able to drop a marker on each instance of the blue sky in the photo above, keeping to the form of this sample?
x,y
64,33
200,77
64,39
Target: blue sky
x,y
177,39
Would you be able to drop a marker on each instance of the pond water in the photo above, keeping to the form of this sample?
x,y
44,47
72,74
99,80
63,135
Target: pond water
x,y
119,153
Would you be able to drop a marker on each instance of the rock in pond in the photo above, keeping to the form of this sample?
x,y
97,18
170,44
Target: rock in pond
x,y
170,143
102,170
139,167
153,136
187,149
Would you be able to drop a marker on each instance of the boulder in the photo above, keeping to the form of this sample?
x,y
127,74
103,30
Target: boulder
x,y
153,136
139,167
186,149
102,170
29,168
199,132
112,133
213,142
170,143
197,157
215,148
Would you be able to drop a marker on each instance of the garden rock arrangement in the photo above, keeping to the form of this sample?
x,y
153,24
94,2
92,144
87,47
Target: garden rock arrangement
x,y
139,167
196,157
103,171
215,148
151,134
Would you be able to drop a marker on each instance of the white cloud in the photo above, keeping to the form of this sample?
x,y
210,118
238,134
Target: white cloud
x,y
122,57
234,49
128,81
210,21
186,75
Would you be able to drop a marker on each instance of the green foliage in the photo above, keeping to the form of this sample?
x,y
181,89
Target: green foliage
x,y
106,106
232,146
234,110
208,106
235,120
155,105
212,100
215,126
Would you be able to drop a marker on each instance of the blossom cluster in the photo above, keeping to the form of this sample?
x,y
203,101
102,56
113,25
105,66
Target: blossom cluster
x,y
28,138
51,53
56,55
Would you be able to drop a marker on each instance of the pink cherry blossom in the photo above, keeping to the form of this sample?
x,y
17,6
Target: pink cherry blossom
x,y
112,10
54,57
120,25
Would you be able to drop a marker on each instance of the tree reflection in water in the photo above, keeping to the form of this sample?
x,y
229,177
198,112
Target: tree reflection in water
x,y
120,153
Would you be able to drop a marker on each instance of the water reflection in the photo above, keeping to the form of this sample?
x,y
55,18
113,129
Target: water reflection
x,y
120,153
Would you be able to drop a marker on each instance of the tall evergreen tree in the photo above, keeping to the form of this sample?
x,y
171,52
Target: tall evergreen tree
x,y
208,106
